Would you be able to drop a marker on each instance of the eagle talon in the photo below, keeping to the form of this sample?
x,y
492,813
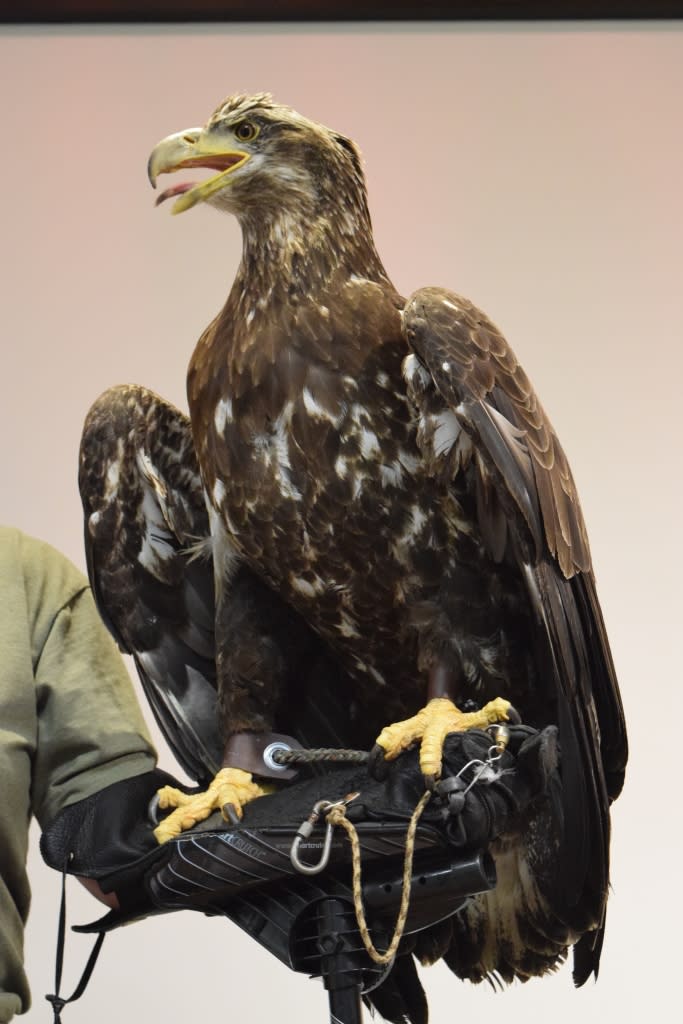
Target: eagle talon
x,y
513,716
153,811
432,724
378,768
230,790
230,814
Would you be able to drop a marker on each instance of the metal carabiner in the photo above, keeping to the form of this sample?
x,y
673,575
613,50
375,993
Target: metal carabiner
x,y
304,832
306,828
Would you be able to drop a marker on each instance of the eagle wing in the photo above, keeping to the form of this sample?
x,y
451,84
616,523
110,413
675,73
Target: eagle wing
x,y
479,415
149,563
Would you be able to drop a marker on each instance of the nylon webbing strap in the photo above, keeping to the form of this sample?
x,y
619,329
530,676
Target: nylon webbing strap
x,y
58,1002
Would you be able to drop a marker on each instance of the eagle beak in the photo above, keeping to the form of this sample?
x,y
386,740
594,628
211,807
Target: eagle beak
x,y
193,148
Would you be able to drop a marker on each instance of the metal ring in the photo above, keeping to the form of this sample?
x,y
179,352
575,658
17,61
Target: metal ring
x,y
268,758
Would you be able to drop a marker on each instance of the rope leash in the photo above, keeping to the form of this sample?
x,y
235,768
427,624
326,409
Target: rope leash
x,y
337,816
315,754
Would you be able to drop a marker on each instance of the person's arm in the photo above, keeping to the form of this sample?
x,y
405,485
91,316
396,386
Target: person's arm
x,y
90,728
69,721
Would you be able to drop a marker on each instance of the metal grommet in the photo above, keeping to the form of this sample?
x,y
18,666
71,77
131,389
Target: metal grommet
x,y
270,761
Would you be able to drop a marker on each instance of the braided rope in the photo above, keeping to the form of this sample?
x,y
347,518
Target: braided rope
x,y
337,816
285,757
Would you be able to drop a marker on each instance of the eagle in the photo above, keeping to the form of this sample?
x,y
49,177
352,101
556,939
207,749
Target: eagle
x,y
367,529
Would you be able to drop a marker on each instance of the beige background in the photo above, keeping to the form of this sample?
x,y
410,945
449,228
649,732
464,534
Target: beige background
x,y
538,170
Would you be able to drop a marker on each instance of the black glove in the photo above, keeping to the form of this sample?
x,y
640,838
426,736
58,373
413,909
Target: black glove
x,y
108,836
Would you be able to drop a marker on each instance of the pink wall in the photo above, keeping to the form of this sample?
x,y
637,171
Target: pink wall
x,y
537,170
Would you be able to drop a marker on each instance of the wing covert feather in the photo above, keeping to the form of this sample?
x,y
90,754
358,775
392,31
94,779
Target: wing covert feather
x,y
478,376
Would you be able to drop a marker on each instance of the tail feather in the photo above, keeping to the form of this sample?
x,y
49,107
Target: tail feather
x,y
400,999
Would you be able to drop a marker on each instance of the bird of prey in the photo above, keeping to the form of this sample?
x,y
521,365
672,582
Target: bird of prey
x,y
375,476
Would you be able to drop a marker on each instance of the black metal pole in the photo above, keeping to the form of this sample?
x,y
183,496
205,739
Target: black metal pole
x,y
345,1006
341,976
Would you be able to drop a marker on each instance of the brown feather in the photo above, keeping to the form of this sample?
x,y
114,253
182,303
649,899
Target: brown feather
x,y
388,470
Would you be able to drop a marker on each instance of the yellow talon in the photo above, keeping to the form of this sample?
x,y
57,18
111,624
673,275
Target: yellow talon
x,y
230,786
432,724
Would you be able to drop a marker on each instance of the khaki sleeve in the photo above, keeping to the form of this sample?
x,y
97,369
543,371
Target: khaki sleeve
x,y
90,728
15,772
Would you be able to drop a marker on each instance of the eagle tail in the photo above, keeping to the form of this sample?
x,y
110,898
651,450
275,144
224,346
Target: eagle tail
x,y
400,999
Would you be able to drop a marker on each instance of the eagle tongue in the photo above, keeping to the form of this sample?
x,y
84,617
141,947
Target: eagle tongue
x,y
174,190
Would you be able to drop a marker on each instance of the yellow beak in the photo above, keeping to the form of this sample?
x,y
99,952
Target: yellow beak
x,y
194,148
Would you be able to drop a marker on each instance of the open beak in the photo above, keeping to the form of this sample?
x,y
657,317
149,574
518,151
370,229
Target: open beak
x,y
196,147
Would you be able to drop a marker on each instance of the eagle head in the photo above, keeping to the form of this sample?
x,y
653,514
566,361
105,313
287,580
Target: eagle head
x,y
268,158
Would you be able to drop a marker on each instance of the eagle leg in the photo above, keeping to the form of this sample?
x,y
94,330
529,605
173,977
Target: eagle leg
x,y
432,724
231,788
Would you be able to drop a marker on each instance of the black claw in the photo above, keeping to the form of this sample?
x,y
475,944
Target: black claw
x,y
153,811
230,812
514,716
378,767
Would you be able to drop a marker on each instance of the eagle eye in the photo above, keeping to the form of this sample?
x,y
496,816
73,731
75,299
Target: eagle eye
x,y
245,131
